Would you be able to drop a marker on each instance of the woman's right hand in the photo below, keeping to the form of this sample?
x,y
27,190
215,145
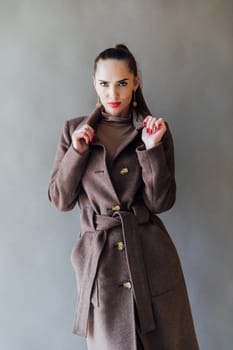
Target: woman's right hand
x,y
82,137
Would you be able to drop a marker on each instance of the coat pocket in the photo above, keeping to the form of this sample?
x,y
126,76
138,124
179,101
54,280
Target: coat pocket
x,y
80,253
161,260
174,318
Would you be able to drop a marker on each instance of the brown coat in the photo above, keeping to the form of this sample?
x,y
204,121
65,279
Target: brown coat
x,y
124,256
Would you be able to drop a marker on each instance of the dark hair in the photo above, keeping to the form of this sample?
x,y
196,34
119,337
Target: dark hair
x,y
121,52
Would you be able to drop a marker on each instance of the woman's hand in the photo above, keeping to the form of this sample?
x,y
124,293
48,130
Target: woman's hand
x,y
81,138
153,131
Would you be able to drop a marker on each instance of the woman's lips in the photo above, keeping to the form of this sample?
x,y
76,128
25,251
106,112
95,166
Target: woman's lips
x,y
114,104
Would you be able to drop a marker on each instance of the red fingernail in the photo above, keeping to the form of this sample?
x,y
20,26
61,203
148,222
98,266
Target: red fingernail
x,y
147,129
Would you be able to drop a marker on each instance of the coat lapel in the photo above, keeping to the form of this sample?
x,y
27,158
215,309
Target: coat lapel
x,y
93,119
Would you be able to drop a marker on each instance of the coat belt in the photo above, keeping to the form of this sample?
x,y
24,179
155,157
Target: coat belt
x,y
129,221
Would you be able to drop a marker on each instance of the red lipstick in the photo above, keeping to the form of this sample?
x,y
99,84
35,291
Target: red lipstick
x,y
114,104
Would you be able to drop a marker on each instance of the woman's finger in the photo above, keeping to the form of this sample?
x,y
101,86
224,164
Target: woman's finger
x,y
85,132
151,125
145,122
88,128
160,123
80,135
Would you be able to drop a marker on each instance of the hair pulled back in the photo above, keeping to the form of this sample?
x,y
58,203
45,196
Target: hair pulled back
x,y
121,52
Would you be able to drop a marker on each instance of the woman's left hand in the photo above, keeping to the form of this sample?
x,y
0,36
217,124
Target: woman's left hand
x,y
153,131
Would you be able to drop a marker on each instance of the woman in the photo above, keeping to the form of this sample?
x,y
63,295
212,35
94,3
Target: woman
x,y
118,165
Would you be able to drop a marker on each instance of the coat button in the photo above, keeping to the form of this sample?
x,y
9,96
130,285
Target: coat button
x,y
127,285
124,171
120,245
116,207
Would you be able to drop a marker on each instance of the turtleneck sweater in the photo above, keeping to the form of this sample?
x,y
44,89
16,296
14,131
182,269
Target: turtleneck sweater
x,y
113,129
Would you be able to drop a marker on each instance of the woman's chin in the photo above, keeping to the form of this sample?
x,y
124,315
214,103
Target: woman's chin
x,y
115,110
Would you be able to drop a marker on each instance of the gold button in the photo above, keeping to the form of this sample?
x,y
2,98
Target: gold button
x,y
120,245
127,285
116,207
124,171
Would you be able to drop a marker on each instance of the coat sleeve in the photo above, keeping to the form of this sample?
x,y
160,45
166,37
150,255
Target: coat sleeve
x,y
158,174
65,178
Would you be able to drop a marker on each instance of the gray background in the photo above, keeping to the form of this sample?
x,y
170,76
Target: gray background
x,y
185,54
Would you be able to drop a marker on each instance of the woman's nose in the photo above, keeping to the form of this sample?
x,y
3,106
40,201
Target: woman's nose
x,y
113,92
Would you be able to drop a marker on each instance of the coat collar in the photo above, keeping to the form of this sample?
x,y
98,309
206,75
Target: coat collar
x,y
94,117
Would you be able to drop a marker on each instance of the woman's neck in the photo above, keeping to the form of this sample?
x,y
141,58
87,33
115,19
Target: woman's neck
x,y
121,116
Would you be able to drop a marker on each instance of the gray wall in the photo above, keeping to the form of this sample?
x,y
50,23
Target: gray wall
x,y
185,54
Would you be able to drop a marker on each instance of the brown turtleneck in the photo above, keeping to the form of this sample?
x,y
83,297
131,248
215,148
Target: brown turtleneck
x,y
112,129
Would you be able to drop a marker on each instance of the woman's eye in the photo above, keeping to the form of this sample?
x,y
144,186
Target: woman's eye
x,y
103,83
122,83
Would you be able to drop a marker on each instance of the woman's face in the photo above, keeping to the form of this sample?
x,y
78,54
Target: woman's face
x,y
114,84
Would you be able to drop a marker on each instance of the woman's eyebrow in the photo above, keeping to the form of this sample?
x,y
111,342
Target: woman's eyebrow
x,y
105,81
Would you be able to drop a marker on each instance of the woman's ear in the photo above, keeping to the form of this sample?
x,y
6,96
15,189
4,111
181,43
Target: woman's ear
x,y
137,81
